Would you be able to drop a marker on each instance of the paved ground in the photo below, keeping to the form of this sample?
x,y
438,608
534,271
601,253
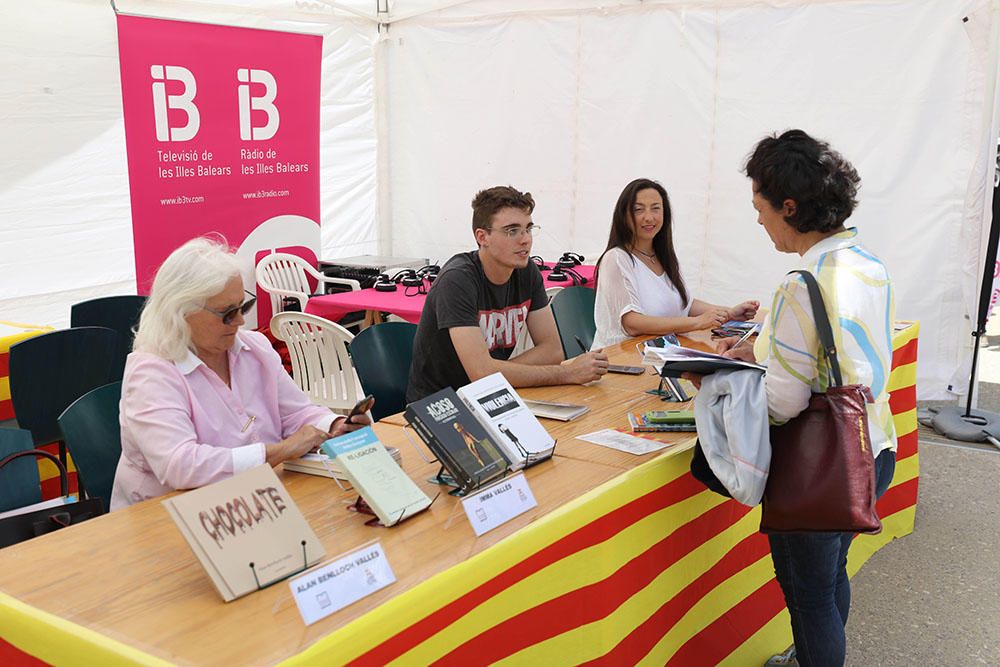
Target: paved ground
x,y
933,597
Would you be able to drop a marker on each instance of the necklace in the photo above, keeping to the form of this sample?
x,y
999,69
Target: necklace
x,y
647,255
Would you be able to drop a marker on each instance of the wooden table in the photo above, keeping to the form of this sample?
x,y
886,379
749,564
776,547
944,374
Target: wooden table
x,y
626,559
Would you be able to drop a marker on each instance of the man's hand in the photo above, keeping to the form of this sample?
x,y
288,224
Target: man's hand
x,y
745,311
586,367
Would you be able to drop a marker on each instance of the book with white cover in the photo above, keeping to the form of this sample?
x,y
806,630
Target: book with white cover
x,y
370,469
563,412
509,421
248,518
318,463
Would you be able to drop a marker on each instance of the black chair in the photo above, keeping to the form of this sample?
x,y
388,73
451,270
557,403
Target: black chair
x,y
381,356
19,481
573,310
119,313
50,371
93,435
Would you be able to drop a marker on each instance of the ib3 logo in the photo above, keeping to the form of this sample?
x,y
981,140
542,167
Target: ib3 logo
x,y
184,101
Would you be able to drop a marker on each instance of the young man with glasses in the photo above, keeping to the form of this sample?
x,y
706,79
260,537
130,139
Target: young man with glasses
x,y
483,301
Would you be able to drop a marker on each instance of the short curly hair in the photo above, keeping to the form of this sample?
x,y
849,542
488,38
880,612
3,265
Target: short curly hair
x,y
794,165
489,202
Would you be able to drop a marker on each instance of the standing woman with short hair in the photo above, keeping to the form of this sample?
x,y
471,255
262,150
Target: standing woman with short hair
x,y
640,289
803,192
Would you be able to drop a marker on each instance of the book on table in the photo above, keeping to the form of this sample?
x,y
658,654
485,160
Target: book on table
x,y
372,471
641,423
564,412
319,463
498,407
246,531
454,435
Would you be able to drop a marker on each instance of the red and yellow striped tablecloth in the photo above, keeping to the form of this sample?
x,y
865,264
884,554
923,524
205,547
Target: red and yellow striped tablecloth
x,y
10,333
647,569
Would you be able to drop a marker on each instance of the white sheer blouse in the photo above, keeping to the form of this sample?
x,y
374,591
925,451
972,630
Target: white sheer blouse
x,y
627,285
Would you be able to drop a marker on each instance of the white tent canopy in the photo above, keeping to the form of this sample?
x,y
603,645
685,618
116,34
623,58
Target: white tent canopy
x,y
424,103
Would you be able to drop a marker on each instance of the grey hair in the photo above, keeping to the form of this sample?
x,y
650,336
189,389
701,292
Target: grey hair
x,y
186,280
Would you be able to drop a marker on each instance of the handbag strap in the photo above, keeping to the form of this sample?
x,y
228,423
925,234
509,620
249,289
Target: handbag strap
x,y
823,327
63,479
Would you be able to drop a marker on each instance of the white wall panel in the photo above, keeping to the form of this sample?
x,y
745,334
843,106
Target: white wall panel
x,y
572,105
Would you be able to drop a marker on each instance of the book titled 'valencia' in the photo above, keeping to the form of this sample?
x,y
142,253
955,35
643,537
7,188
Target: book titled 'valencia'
x,y
246,531
457,439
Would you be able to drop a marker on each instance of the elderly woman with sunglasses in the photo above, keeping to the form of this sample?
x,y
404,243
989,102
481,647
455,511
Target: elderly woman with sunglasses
x,y
202,399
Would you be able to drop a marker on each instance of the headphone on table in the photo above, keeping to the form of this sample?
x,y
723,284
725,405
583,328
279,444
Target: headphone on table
x,y
569,260
410,280
564,269
540,263
384,283
429,272
562,274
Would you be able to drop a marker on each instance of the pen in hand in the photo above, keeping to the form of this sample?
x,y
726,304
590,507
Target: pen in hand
x,y
744,337
580,343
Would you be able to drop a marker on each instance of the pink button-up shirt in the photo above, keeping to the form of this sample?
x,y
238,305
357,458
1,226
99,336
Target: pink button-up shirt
x,y
183,428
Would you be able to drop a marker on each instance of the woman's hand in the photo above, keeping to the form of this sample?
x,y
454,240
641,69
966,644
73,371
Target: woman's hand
x,y
727,347
710,319
745,311
306,439
344,425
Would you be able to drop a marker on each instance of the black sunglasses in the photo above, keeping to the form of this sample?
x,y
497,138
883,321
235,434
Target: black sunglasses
x,y
229,315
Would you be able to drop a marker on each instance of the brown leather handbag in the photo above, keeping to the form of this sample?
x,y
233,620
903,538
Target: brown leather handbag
x,y
822,476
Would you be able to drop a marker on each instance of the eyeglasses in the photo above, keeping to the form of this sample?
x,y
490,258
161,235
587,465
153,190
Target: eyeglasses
x,y
229,315
517,232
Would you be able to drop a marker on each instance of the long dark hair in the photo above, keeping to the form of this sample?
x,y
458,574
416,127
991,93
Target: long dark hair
x,y
623,235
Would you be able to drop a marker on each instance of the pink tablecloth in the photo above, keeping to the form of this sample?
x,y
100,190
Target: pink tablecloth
x,y
335,306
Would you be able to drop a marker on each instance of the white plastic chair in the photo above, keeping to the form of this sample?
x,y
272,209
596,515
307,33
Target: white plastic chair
x,y
321,364
282,275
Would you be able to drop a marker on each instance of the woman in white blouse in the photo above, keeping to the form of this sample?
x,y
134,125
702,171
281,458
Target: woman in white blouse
x,y
639,285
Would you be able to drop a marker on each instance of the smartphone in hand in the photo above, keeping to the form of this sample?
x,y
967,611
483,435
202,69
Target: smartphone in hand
x,y
628,370
361,407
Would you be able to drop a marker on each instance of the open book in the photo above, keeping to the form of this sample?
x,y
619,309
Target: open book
x,y
511,423
676,360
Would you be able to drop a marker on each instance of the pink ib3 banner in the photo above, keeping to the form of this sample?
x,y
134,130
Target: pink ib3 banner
x,y
222,134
